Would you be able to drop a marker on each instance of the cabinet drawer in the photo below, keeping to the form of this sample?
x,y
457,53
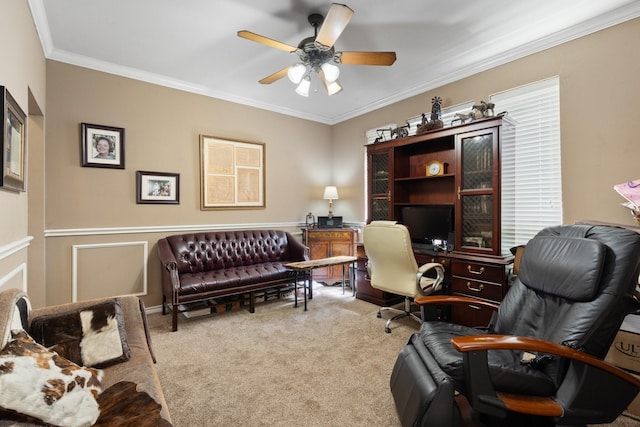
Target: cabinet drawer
x,y
477,289
471,315
334,235
478,271
423,259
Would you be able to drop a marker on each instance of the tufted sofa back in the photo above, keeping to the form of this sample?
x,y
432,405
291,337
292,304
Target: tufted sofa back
x,y
197,252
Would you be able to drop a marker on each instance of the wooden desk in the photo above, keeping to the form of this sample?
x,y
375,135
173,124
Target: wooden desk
x,y
307,267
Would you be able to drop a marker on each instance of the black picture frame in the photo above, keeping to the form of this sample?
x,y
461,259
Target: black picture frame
x,y
95,138
13,140
159,188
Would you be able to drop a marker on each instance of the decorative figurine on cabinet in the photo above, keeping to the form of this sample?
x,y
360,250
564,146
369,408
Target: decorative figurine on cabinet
x,y
436,117
310,220
478,111
400,131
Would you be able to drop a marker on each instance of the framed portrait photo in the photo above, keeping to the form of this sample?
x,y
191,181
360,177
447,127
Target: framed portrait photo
x,y
13,140
102,146
157,188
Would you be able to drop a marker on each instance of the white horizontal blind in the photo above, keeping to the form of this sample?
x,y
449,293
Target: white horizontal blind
x,y
531,175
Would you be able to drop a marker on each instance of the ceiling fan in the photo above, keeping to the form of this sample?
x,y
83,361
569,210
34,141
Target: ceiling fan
x,y
317,54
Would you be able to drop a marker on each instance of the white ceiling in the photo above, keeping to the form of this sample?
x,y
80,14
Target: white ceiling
x,y
192,44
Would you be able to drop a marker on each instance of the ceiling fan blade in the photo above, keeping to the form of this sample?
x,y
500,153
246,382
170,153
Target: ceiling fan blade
x,y
275,76
266,41
367,58
333,87
334,24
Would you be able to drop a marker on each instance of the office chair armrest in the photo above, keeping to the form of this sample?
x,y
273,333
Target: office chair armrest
x,y
475,348
454,299
429,285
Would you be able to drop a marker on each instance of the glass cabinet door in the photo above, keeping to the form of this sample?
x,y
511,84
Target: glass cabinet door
x,y
477,214
379,186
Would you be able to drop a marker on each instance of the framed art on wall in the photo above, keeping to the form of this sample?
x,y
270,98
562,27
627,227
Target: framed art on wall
x,y
13,141
157,188
102,146
232,174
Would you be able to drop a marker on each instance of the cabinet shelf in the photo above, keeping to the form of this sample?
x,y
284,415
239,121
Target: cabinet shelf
x,y
400,204
425,177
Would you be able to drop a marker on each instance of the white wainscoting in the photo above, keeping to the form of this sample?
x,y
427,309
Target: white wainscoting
x,y
13,247
167,229
21,269
108,275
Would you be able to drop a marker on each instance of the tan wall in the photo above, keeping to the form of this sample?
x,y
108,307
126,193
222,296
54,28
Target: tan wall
x,y
22,71
94,209
162,128
599,94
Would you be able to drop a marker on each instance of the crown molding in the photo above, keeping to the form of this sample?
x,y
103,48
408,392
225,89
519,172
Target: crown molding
x,y
615,17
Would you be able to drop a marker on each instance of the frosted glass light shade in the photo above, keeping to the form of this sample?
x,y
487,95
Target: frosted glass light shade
x,y
333,88
330,193
296,73
331,72
303,87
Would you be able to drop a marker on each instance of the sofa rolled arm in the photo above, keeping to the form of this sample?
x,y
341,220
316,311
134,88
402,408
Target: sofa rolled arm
x,y
299,251
165,253
169,270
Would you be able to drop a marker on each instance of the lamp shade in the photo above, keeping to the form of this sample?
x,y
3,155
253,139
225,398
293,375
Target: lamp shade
x,y
330,193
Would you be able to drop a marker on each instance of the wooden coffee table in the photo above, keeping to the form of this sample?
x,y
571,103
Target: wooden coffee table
x,y
305,268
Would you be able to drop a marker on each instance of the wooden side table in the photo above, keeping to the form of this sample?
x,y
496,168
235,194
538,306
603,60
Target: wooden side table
x,y
305,268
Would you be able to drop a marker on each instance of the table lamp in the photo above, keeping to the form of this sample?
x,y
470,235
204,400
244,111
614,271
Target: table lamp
x,y
331,194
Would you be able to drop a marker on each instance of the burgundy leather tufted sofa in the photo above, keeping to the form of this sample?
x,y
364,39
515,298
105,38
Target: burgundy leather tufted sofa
x,y
201,266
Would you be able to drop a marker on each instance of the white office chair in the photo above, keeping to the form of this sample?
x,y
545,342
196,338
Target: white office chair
x,y
393,267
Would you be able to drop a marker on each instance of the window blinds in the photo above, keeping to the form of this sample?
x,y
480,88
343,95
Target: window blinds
x,y
531,169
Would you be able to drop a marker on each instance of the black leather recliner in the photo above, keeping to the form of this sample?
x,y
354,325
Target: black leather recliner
x,y
540,360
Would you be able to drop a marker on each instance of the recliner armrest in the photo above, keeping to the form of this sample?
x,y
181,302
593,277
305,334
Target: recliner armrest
x,y
615,386
510,342
454,299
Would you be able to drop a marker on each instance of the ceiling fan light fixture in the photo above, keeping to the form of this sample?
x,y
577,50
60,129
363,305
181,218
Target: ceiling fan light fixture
x,y
303,87
333,88
317,54
331,72
296,73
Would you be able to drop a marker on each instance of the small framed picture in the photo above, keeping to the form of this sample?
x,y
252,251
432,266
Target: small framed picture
x,y
157,188
102,146
13,144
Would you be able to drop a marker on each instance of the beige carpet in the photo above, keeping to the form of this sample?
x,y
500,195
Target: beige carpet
x,y
281,366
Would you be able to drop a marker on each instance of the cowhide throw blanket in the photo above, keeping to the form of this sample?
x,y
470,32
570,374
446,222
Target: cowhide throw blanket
x,y
121,405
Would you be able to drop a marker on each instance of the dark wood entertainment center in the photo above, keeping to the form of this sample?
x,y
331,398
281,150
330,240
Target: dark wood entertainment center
x,y
469,179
